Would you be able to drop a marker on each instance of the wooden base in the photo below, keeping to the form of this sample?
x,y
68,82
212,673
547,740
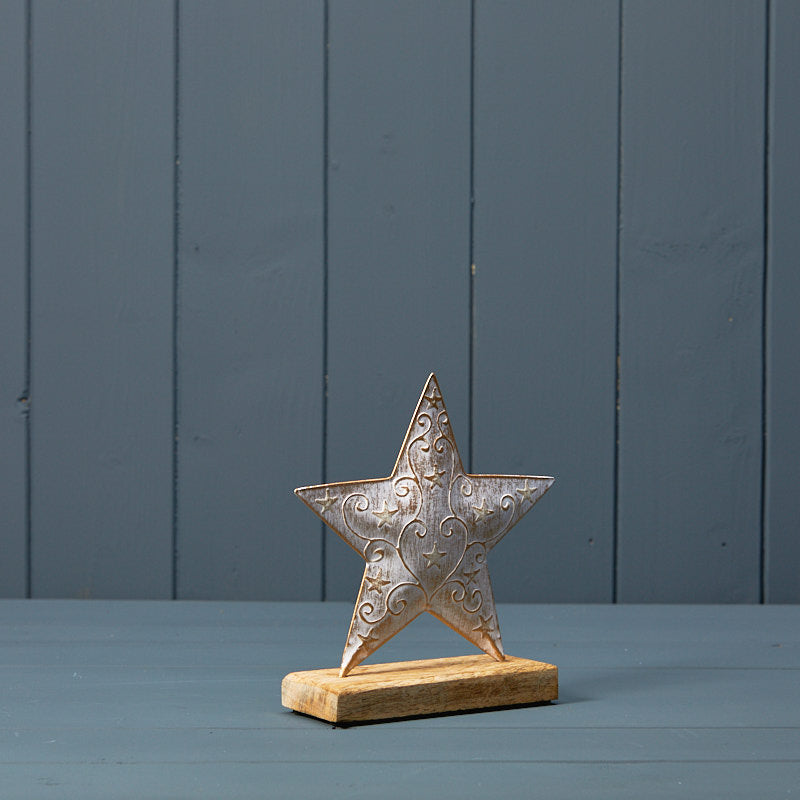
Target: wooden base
x,y
411,688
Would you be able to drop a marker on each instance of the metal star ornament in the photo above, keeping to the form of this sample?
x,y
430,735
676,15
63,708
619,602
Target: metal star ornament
x,y
424,532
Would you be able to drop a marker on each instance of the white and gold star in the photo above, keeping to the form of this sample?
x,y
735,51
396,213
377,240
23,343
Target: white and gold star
x,y
424,535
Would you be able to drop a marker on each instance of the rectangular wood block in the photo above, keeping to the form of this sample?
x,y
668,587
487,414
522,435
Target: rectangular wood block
x,y
411,688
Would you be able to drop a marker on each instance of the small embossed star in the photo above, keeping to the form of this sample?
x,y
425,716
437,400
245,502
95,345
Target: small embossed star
x,y
470,575
434,398
481,512
436,478
424,533
434,558
527,492
376,582
326,502
385,515
367,637
485,628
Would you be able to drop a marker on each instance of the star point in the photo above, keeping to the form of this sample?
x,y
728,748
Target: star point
x,y
425,548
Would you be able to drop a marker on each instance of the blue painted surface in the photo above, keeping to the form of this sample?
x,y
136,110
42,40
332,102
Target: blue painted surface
x,y
603,224
182,699
14,403
249,344
101,299
782,367
691,277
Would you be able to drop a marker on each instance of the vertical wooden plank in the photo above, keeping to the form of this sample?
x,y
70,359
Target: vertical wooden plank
x,y
250,278
13,225
783,322
691,298
545,267
102,256
398,225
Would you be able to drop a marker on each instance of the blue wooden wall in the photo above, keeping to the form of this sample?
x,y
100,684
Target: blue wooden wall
x,y
237,235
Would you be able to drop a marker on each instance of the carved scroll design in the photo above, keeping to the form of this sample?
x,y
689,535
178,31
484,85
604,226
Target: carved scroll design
x,y
424,533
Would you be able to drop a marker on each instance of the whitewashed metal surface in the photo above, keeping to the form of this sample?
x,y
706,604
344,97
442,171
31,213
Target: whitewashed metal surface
x,y
424,532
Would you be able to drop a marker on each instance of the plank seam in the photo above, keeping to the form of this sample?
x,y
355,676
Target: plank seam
x,y
617,318
25,399
377,761
325,255
762,571
471,228
175,287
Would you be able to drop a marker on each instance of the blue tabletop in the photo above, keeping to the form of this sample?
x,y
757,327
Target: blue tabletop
x,y
104,699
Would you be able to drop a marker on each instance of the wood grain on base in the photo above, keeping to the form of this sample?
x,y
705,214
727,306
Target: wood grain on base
x,y
410,688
